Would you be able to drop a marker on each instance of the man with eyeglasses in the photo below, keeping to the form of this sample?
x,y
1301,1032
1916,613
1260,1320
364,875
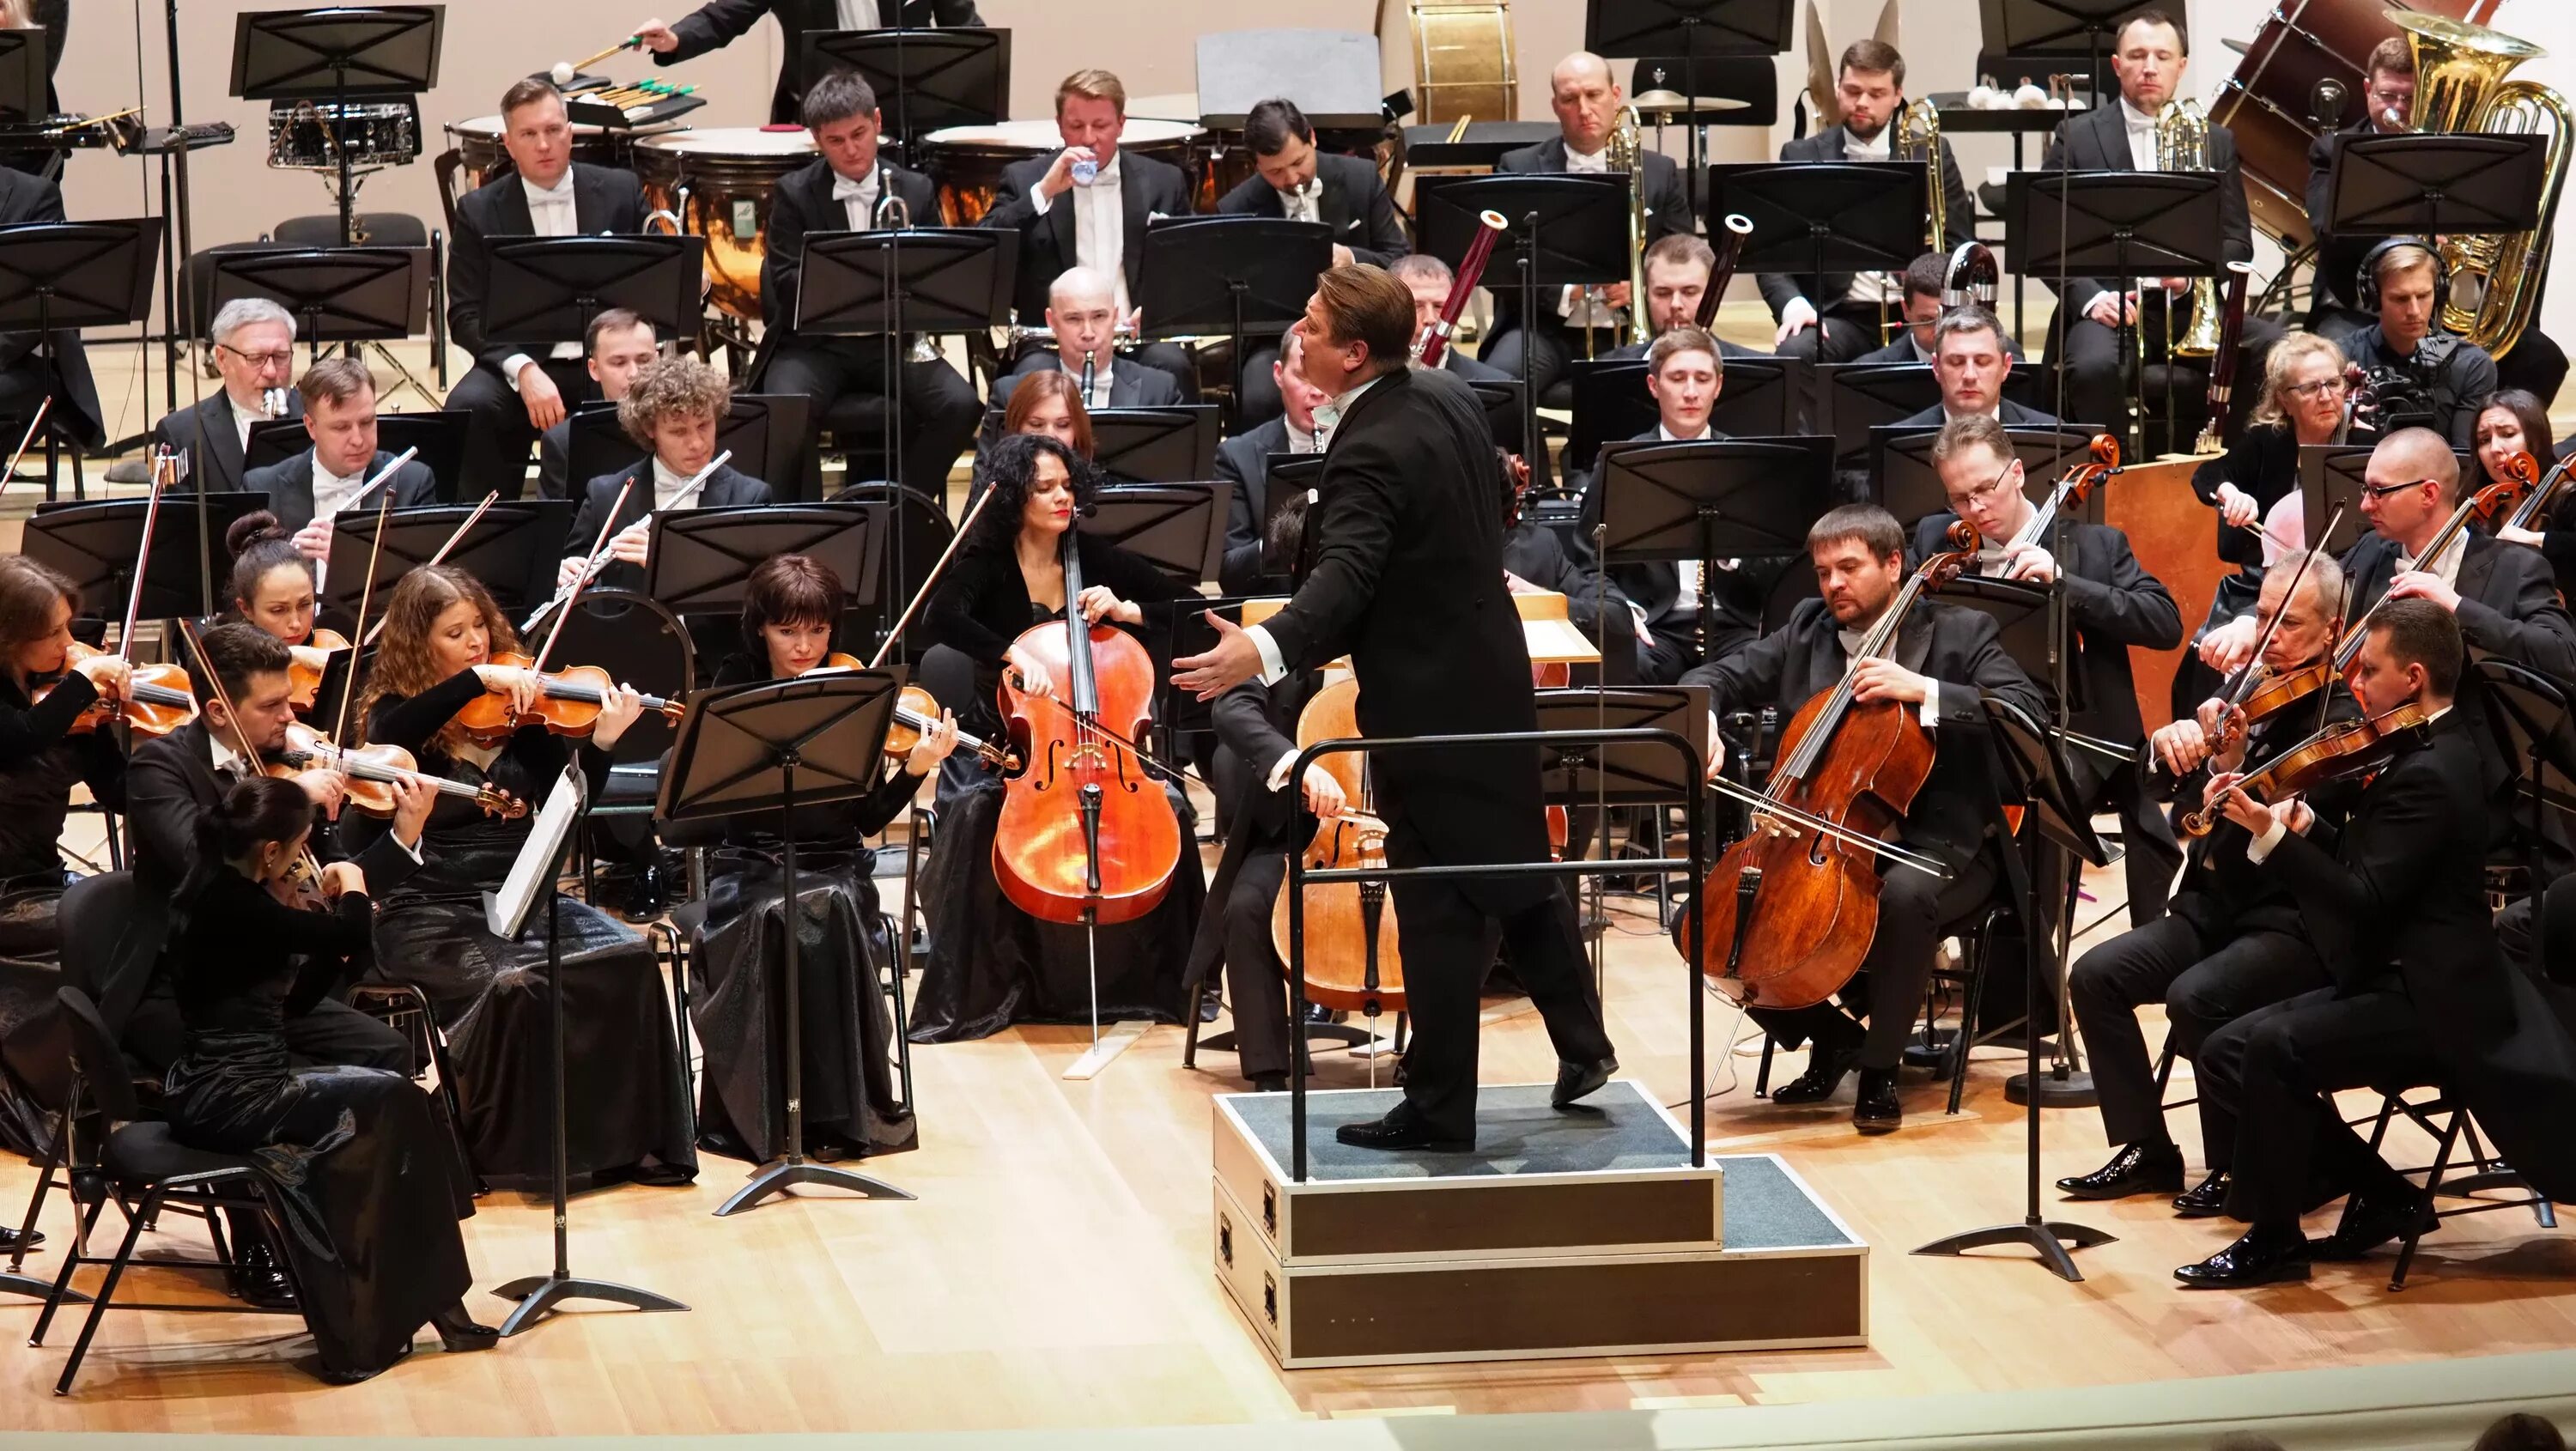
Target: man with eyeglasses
x,y
254,350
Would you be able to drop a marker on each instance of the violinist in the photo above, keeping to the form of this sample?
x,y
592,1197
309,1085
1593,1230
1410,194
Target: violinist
x,y
992,964
627,1112
2232,941
2395,901
2512,422
271,584
789,610
1947,659
673,409
41,758
2114,605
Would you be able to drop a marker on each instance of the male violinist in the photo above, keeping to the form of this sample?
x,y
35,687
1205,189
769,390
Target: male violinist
x,y
1946,660
2396,902
2231,941
1407,580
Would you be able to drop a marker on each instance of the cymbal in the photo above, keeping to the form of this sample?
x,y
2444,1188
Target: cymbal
x,y
1672,103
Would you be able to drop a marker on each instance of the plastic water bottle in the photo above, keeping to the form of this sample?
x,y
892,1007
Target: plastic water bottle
x,y
1084,171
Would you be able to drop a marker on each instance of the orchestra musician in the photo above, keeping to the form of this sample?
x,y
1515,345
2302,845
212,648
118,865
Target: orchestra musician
x,y
41,757
626,1110
1244,462
310,489
992,964
254,351
1587,102
1947,660
1926,278
2231,941
515,395
720,23
1088,205
271,584
1407,580
2113,605
1082,312
1678,269
1837,316
2401,281
1049,404
790,607
1972,361
1430,281
2510,422
673,409
615,347
2301,405
842,190
2395,900
1294,181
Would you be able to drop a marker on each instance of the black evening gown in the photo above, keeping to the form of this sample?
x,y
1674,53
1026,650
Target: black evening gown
x,y
627,1108
991,964
40,762
363,1173
738,1005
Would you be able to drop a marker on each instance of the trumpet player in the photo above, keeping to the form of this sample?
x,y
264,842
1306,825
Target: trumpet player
x,y
1834,317
853,188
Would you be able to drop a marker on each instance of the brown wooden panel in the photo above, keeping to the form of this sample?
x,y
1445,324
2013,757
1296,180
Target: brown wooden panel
x,y
2175,537
1503,1215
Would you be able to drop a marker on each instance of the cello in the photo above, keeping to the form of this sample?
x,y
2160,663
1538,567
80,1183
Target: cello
x,y
1351,959
1788,913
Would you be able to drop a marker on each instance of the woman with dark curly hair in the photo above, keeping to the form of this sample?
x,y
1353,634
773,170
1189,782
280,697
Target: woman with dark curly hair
x,y
991,964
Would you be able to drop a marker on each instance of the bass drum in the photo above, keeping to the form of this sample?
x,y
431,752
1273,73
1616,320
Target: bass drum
x,y
967,161
717,182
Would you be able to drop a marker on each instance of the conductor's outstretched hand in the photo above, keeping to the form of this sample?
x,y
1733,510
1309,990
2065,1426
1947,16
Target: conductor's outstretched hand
x,y
1234,660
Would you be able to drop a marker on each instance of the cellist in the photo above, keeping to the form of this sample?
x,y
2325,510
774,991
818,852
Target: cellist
x,y
1947,659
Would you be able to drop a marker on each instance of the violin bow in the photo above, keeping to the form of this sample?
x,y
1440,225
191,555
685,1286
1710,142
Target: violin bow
x,y
1771,806
964,530
581,578
43,406
435,560
241,738
366,598
142,565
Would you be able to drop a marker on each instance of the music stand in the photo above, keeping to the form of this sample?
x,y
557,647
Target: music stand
x,y
545,290
2023,764
23,75
893,283
1737,498
1247,277
1760,397
1691,29
1810,217
1502,400
2053,27
94,543
338,294
1179,528
77,275
2527,713
2444,184
512,549
1601,774
1610,403
701,560
1856,399
334,53
958,76
1906,484
763,432
439,436
1166,445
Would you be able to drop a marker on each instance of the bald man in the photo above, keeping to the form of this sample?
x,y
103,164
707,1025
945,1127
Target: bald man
x,y
1082,311
1586,99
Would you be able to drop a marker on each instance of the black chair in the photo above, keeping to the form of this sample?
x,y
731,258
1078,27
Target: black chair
x,y
405,1009
145,1167
374,229
2446,1120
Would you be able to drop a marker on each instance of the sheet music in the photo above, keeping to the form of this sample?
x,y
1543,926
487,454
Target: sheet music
x,y
505,912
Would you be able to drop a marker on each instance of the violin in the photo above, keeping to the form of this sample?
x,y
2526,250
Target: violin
x,y
2347,748
157,699
917,710
1351,959
2535,509
374,771
1788,913
568,703
2101,462
1085,836
2252,687
307,663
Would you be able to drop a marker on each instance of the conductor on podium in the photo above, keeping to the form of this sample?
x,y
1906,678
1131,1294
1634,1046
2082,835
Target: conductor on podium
x,y
1407,579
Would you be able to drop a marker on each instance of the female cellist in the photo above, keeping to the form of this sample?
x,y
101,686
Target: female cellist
x,y
627,1114
992,964
788,613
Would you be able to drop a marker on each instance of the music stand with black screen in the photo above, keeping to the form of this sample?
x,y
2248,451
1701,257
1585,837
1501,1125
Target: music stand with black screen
x,y
2331,478
765,433
338,294
1502,400
438,439
1166,445
1610,403
1693,30
2527,713
1810,217
1737,498
1854,398
94,544
333,54
74,275
930,79
1247,277
513,549
2434,185
1603,774
546,290
1909,487
892,283
1179,528
701,560
24,77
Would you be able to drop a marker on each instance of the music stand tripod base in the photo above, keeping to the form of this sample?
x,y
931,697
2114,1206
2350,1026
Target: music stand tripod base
x,y
2046,1238
538,1295
2056,1090
786,1172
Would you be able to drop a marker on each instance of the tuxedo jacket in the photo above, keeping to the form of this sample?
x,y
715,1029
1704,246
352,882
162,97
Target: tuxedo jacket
x,y
719,23
726,488
2114,605
289,483
1667,209
2098,140
2007,412
1354,204
1655,586
1131,384
1824,290
604,200
1244,461
2223,893
205,429
25,198
1147,188
802,202
554,460
1957,647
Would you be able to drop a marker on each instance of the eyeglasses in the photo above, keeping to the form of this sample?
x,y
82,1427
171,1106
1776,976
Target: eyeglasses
x,y
2313,388
1985,491
284,359
2382,491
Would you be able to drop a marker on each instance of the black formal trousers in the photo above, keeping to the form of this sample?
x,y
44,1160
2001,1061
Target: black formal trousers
x,y
2096,390
1913,909
2150,854
1254,981
1551,346
940,410
2203,985
331,1034
2274,1073
1844,330
499,437
1448,947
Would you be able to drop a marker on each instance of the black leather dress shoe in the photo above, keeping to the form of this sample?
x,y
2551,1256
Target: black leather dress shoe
x,y
1580,1080
2260,1256
262,1283
2204,1200
1211,1002
2136,1169
11,1241
1875,1109
2371,1219
1400,1129
1825,1069
459,1332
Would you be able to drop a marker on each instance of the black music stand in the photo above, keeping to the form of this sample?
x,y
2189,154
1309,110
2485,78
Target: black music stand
x,y
2024,764
24,77
1856,399
1810,217
512,549
338,294
1167,445
1604,773
438,436
2444,184
891,284
701,560
94,543
1179,528
1760,397
76,275
2330,478
2527,713
1248,277
1905,483
334,53
545,290
957,76
1610,403
1693,30
764,432
1502,400
1737,498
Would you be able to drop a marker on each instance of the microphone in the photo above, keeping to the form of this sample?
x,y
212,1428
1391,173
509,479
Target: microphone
x,y
2325,104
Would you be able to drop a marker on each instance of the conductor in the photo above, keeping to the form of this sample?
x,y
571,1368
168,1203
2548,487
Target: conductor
x,y
1407,579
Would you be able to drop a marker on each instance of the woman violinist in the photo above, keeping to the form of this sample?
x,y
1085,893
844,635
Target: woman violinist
x,y
2514,422
628,1113
789,611
992,964
272,587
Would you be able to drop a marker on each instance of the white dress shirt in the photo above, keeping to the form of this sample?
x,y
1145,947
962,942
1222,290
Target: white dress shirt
x,y
2446,565
1328,416
1100,228
226,759
858,198
1578,307
667,486
1929,711
1301,440
1102,380
243,418
1304,203
2142,135
860,15
551,213
1871,289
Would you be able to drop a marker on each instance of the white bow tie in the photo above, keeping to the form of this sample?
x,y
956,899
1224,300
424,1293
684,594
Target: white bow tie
x,y
846,189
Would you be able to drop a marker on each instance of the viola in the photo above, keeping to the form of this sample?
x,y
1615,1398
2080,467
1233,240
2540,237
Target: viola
x,y
157,699
2253,688
568,703
1352,962
917,710
2344,749
374,771
1086,835
306,665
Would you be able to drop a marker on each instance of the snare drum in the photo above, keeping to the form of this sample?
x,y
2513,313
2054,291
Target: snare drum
x,y
967,161
373,133
717,182
479,149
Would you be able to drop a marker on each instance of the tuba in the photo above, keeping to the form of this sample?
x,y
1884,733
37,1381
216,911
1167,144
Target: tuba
x,y
1627,152
2460,87
2182,144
